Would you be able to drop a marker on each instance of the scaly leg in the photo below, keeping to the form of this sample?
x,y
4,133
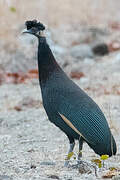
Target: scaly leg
x,y
69,154
80,149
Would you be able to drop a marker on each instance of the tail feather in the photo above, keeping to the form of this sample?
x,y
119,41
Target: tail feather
x,y
108,147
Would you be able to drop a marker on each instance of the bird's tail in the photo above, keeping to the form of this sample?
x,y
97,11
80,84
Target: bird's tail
x,y
109,147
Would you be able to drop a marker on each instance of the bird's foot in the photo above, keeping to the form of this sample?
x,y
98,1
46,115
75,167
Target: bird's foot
x,y
66,164
67,159
85,167
79,161
70,154
79,155
77,164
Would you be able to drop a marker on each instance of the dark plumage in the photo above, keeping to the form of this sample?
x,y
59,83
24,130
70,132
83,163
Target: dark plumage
x,y
34,24
69,107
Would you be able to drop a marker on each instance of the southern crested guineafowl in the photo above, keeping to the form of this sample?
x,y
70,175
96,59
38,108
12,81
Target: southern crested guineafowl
x,y
68,106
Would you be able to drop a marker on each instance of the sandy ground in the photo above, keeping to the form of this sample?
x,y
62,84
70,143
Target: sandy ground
x,y
31,147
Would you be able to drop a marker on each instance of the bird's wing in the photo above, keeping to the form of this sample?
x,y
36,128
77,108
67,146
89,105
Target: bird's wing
x,y
67,121
85,118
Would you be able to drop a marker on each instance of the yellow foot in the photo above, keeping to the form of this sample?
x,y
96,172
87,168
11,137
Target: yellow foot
x,y
67,159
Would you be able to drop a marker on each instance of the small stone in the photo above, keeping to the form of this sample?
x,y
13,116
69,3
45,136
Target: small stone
x,y
33,166
4,177
100,49
53,177
77,75
47,163
116,178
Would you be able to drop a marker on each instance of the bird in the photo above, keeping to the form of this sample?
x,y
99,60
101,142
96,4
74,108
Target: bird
x,y
67,106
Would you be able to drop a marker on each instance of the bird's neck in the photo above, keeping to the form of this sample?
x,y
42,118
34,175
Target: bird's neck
x,y
46,61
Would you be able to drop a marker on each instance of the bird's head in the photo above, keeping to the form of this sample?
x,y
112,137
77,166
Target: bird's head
x,y
35,28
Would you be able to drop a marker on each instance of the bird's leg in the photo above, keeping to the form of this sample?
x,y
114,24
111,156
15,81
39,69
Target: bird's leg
x,y
69,153
80,149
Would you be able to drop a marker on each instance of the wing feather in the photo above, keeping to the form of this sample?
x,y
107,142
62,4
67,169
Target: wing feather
x,y
89,123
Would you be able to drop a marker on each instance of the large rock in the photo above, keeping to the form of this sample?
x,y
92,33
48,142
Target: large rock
x,y
81,51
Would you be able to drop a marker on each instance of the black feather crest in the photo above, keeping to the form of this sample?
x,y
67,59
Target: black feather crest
x,y
34,24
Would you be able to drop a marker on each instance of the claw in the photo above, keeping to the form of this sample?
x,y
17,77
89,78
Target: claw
x,y
70,154
67,159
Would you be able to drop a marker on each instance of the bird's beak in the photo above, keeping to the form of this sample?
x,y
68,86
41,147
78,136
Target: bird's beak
x,y
33,32
27,31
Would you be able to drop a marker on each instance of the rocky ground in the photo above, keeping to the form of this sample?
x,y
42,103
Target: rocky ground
x,y
29,149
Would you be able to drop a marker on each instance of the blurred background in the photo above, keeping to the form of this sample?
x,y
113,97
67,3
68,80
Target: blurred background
x,y
69,25
77,32
85,39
